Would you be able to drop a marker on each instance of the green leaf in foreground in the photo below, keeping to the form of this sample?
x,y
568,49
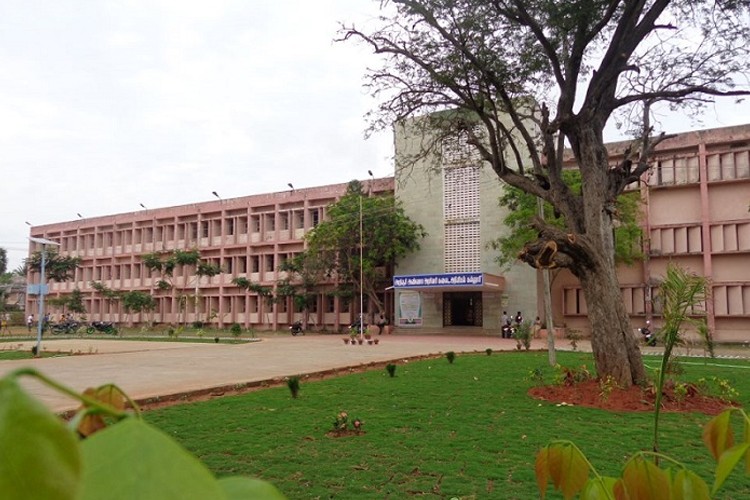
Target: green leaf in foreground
x,y
133,459
40,457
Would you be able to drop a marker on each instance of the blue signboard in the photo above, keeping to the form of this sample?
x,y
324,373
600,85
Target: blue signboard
x,y
435,280
34,289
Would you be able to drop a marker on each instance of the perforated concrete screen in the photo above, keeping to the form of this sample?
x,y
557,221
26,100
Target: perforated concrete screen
x,y
461,206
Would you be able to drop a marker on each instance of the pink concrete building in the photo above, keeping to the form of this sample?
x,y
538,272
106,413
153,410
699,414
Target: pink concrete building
x,y
695,213
247,237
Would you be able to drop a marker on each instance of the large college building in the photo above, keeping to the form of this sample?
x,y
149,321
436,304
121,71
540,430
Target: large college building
x,y
695,212
247,237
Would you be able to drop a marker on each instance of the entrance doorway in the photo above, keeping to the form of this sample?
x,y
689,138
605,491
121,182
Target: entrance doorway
x,y
462,309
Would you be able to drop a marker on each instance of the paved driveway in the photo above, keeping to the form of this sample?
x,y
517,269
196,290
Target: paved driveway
x,y
148,369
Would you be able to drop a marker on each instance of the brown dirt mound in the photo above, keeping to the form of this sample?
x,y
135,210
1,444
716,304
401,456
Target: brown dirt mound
x,y
589,394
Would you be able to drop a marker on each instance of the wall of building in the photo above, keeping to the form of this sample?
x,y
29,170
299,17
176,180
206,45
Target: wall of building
x,y
421,187
695,213
247,237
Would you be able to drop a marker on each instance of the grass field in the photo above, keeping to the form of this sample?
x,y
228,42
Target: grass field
x,y
436,430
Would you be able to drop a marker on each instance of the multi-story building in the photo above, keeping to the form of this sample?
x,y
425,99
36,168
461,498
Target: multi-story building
x,y
695,213
246,237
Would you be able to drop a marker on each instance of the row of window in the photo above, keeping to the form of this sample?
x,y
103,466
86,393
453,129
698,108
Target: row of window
x,y
684,169
726,237
190,231
728,300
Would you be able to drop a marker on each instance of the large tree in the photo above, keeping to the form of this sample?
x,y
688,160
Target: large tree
x,y
529,78
362,238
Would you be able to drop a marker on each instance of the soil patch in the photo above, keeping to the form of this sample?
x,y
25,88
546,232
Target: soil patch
x,y
589,394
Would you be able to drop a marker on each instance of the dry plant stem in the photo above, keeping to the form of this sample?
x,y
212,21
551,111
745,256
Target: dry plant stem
x,y
92,403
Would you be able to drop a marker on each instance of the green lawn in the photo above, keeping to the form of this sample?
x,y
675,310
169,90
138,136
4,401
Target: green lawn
x,y
466,430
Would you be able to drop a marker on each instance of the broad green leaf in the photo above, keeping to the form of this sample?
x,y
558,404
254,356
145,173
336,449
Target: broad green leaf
x,y
717,434
241,488
599,489
133,459
642,480
39,456
687,485
567,467
727,462
541,469
746,425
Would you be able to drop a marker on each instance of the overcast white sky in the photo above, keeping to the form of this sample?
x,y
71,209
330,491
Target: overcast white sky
x,y
106,105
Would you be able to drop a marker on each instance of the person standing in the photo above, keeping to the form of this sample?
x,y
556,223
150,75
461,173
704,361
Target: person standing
x,y
519,318
30,322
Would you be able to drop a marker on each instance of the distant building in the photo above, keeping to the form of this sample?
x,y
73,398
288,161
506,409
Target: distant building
x,y
247,237
695,213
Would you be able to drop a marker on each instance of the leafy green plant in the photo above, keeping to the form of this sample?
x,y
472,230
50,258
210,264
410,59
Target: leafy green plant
x,y
122,453
563,463
573,336
391,369
235,329
718,387
450,356
488,351
523,335
682,295
341,422
606,386
293,384
567,375
536,376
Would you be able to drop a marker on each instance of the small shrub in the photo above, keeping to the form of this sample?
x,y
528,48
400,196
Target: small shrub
x,y
293,384
566,375
450,356
235,329
680,391
573,336
198,325
523,335
718,387
488,351
606,386
391,369
537,376
341,422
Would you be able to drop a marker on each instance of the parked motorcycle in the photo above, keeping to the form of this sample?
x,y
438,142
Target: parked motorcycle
x,y
507,332
648,336
296,328
65,327
107,327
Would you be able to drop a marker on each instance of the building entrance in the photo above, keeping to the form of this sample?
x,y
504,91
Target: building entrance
x,y
462,309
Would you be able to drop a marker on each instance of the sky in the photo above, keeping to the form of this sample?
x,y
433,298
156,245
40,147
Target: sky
x,y
108,105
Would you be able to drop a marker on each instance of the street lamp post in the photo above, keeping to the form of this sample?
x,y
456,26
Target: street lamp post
x,y
361,274
42,292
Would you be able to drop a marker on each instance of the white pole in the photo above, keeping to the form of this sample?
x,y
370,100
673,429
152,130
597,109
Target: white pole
x,y
361,254
40,319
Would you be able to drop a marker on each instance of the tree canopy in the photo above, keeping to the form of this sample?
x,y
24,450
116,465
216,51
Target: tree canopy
x,y
57,267
386,234
528,79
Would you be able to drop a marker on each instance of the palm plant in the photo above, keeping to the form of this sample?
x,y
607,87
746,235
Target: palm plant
x,y
682,294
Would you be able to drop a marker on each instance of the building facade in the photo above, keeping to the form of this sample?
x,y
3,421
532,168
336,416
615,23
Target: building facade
x,y
453,281
247,237
695,203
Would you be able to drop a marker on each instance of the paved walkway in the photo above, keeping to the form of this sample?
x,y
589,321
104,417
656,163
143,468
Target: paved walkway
x,y
150,369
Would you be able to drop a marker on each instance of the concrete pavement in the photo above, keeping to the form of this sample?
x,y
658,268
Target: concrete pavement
x,y
150,369
162,369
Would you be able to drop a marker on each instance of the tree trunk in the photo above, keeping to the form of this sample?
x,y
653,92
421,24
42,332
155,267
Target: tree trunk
x,y
615,348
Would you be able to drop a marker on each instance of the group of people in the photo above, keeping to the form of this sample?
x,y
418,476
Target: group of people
x,y
506,324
